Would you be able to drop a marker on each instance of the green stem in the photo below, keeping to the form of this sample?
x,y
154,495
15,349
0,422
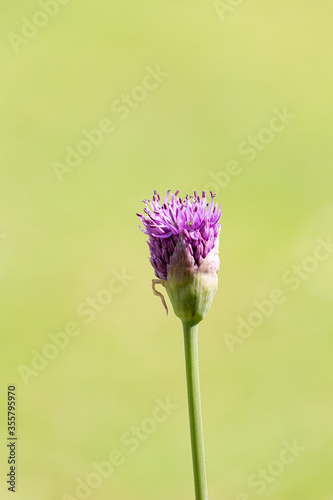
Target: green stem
x,y
194,404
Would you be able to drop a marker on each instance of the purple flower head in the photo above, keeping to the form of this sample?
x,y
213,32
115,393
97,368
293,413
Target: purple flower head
x,y
192,220
183,238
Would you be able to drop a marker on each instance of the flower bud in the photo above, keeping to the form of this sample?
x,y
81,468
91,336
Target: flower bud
x,y
183,242
191,289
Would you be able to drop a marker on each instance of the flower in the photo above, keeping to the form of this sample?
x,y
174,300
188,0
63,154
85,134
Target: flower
x,y
183,242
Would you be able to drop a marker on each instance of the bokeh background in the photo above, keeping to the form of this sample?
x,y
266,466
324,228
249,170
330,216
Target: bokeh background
x,y
227,69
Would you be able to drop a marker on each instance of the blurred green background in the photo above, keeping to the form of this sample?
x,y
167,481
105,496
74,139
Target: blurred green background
x,y
227,70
